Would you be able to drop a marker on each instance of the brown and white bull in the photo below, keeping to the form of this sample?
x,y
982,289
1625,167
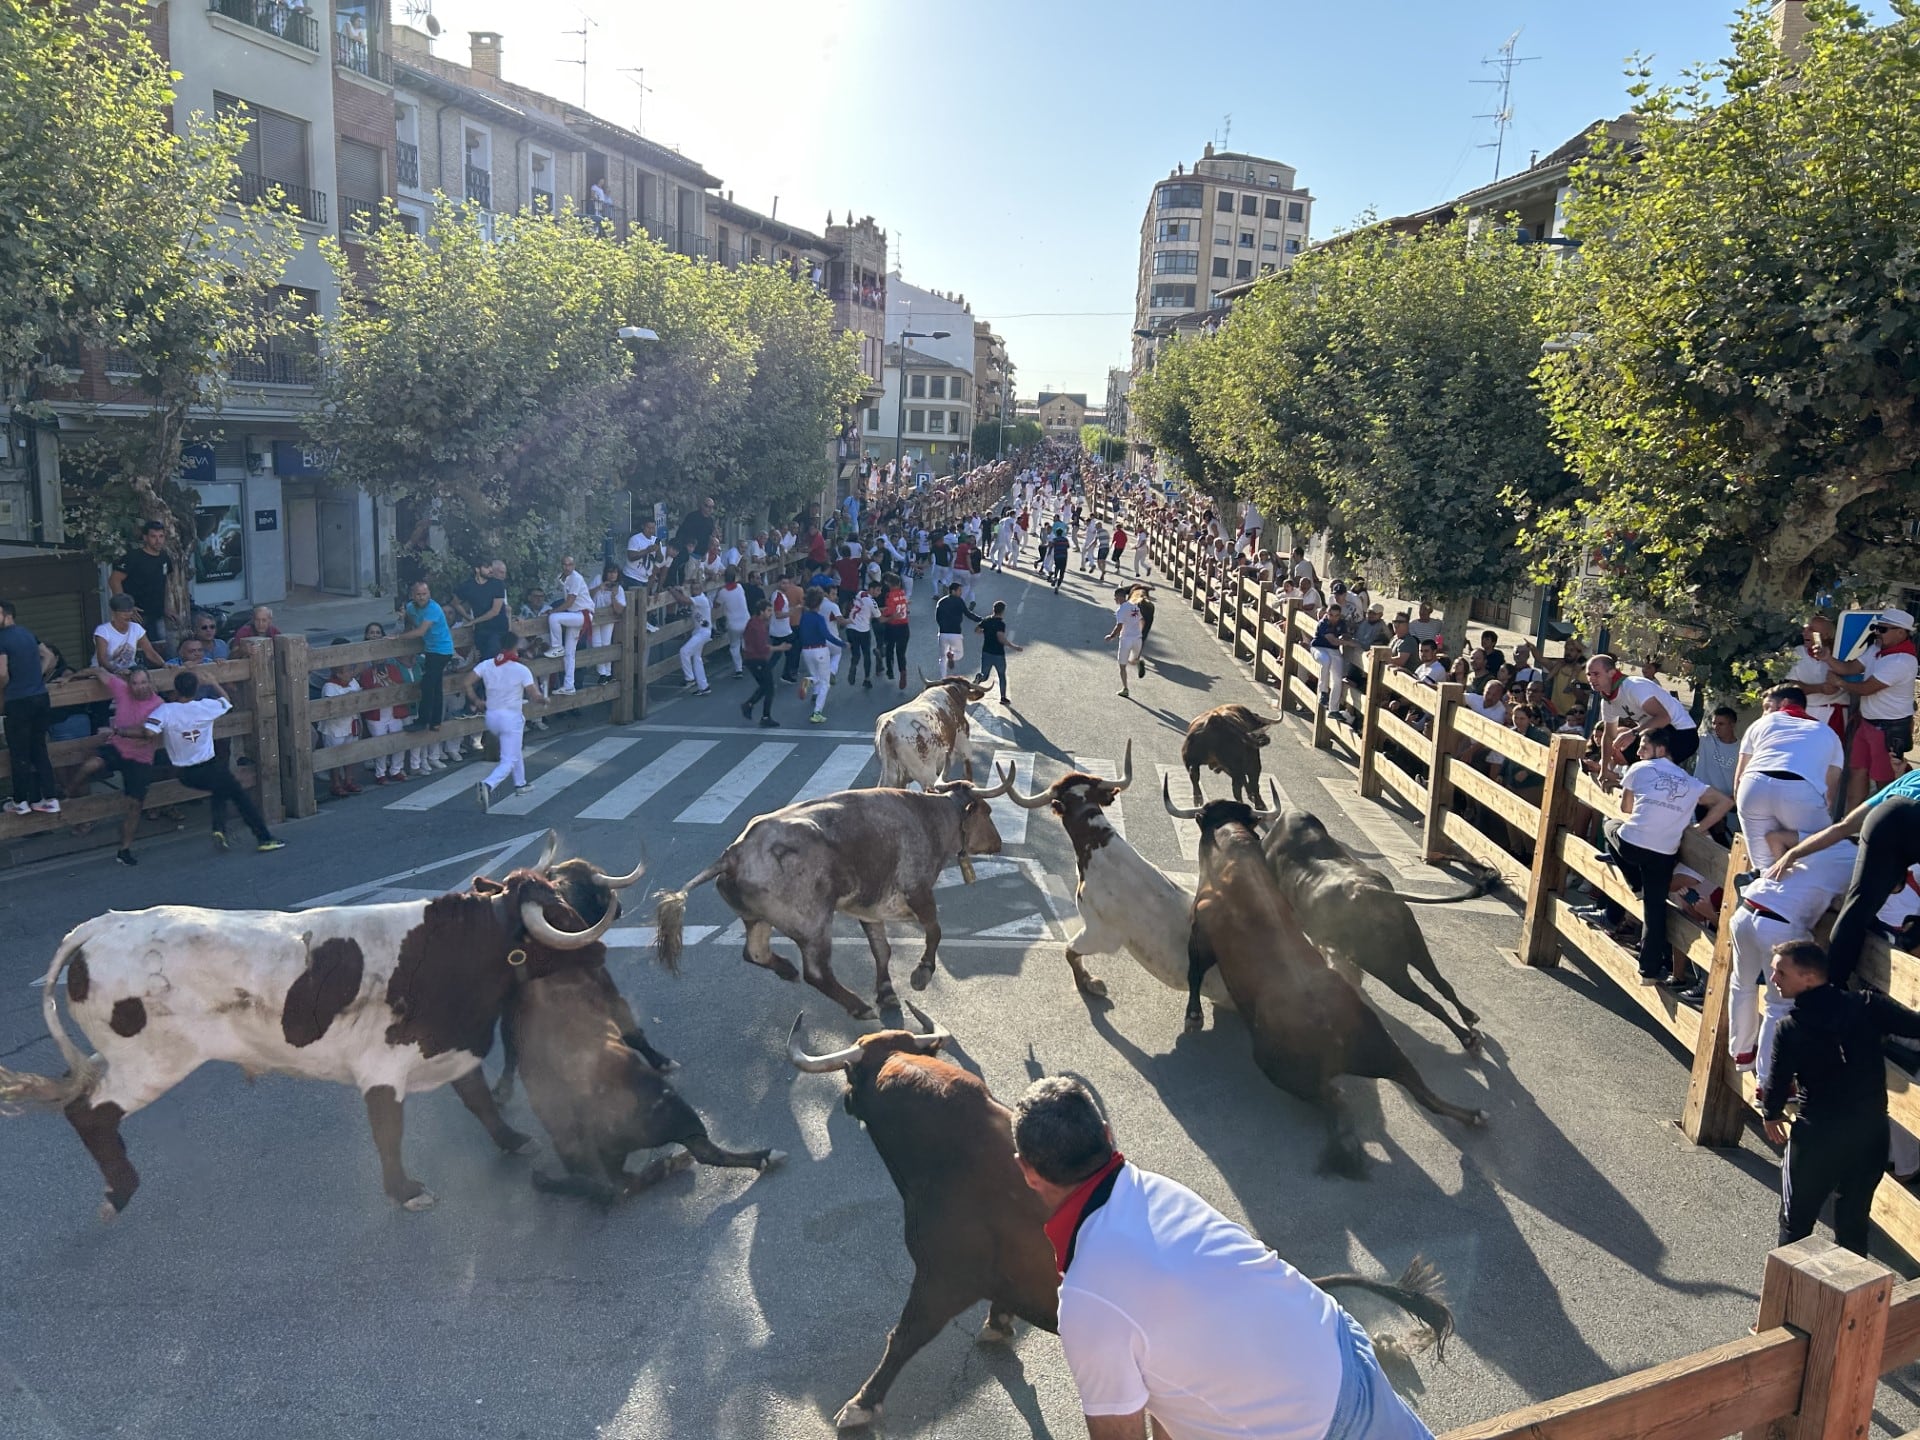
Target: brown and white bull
x,y
1126,902
871,854
391,999
921,739
1308,1024
1229,739
974,1230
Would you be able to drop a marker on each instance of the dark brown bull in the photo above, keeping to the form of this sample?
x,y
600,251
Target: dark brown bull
x,y
1229,739
974,1229
1308,1024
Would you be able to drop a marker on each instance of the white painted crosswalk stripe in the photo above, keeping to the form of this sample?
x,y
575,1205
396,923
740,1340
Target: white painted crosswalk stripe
x,y
1008,818
731,790
837,772
641,786
1106,770
456,783
567,773
1174,777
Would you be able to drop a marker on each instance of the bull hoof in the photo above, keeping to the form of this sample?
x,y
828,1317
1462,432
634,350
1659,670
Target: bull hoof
x,y
1472,1043
773,1161
991,1334
1478,1119
109,1211
863,1012
1195,1022
922,975
1093,985
669,1068
678,1161
528,1146
855,1417
423,1201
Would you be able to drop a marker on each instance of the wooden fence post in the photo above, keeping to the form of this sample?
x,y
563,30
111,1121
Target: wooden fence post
x,y
1840,1301
1322,713
623,631
1262,603
1716,1110
1287,613
1433,843
265,740
1539,941
1370,722
1227,628
296,731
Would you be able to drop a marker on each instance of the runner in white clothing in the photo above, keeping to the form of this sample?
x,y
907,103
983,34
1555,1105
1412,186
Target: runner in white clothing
x,y
508,686
572,608
693,654
1129,627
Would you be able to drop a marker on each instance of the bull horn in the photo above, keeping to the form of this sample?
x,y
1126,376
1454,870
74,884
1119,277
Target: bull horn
x,y
1006,784
1263,817
545,863
931,1035
620,882
543,930
1126,770
926,684
1179,812
817,1064
1030,802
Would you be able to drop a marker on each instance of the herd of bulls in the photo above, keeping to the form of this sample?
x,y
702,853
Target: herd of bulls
x,y
399,998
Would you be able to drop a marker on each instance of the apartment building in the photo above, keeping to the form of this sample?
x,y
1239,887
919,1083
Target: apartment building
x,y
1061,415
1231,217
992,375
925,411
857,281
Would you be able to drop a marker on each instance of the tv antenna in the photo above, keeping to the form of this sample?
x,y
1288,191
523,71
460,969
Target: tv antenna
x,y
420,13
637,76
587,26
1506,62
1226,131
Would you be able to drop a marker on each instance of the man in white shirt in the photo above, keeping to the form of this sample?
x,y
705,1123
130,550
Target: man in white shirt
x,y
1788,774
641,556
1772,912
1169,1310
572,608
185,726
1005,547
1826,700
508,686
1884,691
693,654
1129,627
1632,705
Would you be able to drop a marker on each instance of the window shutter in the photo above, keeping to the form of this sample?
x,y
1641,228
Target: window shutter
x,y
362,170
283,148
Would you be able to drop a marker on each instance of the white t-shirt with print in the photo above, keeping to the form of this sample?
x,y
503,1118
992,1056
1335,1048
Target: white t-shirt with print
x,y
186,727
641,570
1131,622
1664,797
123,651
338,729
1630,701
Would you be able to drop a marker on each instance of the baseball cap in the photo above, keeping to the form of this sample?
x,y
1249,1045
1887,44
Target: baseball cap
x,y
152,525
122,602
1899,618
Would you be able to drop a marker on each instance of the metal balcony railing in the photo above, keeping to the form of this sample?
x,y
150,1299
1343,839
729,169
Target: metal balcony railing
x,y
358,216
480,187
666,234
302,27
406,164
299,200
361,56
541,202
607,219
694,245
276,366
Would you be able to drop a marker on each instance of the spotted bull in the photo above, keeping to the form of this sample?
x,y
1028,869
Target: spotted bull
x,y
1229,739
921,739
871,854
391,999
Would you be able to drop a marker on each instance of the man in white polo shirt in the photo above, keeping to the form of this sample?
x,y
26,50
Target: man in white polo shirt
x,y
1788,775
1168,1309
1632,705
1884,695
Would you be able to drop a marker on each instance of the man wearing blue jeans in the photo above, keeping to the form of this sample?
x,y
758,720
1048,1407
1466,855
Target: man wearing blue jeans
x,y
427,622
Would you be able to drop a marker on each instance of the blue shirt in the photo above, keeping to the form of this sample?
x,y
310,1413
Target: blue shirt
x,y
439,636
1907,787
814,630
22,650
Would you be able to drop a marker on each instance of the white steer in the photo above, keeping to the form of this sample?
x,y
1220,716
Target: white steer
x,y
921,739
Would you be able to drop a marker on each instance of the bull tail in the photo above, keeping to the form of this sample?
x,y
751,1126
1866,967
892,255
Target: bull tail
x,y
1420,1291
670,914
1483,884
22,1088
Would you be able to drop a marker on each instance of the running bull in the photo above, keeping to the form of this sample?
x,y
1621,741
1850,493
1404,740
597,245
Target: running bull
x,y
921,739
973,1229
871,854
1308,1024
392,999
1228,738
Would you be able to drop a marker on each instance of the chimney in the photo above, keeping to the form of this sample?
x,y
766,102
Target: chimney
x,y
1207,154
486,51
1790,27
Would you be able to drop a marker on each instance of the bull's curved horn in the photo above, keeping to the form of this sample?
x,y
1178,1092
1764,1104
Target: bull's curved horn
x,y
817,1064
1030,802
1006,784
1262,817
931,1035
621,882
1179,812
926,684
541,929
548,854
1126,770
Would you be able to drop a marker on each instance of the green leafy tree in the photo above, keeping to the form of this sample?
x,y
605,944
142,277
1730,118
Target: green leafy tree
x,y
117,228
1166,402
1743,415
1018,434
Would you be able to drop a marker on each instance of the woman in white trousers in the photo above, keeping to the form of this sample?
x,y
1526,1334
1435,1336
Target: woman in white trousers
x,y
693,654
609,600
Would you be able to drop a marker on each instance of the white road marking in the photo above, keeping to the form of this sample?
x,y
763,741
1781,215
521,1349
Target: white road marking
x,y
498,853
1174,777
983,869
989,728
741,732
730,791
1008,818
639,937
459,782
1106,770
837,772
1027,927
566,774
641,786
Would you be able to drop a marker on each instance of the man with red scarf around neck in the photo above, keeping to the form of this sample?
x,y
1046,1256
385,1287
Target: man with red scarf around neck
x,y
1169,1310
1883,680
1789,773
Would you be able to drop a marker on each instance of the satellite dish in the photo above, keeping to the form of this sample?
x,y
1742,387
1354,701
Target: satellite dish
x,y
433,24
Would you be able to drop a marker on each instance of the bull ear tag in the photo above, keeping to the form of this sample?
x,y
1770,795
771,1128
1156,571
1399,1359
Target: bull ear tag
x,y
516,957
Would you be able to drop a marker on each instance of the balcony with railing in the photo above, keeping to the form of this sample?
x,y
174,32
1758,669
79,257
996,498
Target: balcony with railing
x,y
299,200
693,245
359,216
668,235
283,363
362,57
607,219
406,164
541,202
299,27
480,187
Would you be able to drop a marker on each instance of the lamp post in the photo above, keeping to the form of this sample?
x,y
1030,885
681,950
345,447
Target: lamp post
x,y
900,406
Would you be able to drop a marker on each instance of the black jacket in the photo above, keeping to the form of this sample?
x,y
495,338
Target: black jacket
x,y
949,614
1830,1043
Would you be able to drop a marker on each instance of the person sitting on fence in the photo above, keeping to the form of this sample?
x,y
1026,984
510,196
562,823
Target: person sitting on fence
x,y
1329,635
571,613
1403,651
483,600
1370,630
128,751
120,642
337,730
533,606
609,602
388,719
1787,772
1523,780
1479,671
1660,802
1630,706
185,726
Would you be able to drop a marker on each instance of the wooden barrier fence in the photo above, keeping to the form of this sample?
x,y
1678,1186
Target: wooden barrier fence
x,y
1539,837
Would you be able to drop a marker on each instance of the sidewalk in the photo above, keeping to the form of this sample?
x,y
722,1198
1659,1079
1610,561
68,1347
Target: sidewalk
x,y
323,618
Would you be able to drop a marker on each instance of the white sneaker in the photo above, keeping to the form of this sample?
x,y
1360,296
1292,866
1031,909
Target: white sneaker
x,y
523,789
46,807
653,629
555,652
19,807
563,690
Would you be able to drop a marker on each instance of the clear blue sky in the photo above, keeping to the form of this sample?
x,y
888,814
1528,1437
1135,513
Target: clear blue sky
x,y
1010,148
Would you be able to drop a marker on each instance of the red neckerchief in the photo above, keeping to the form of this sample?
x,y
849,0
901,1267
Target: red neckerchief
x,y
506,657
1065,1222
1618,679
1905,647
1798,711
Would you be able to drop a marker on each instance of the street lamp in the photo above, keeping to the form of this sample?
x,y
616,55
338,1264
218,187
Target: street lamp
x,y
900,408
636,332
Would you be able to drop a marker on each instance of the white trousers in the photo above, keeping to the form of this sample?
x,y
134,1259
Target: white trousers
x,y
693,657
603,635
819,663
1750,1024
1333,677
567,623
734,642
510,728
385,764
1765,803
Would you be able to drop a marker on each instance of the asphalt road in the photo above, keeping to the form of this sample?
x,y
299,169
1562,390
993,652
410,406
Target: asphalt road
x,y
261,1284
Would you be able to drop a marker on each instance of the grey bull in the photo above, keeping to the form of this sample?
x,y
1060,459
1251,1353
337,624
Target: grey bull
x,y
871,854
